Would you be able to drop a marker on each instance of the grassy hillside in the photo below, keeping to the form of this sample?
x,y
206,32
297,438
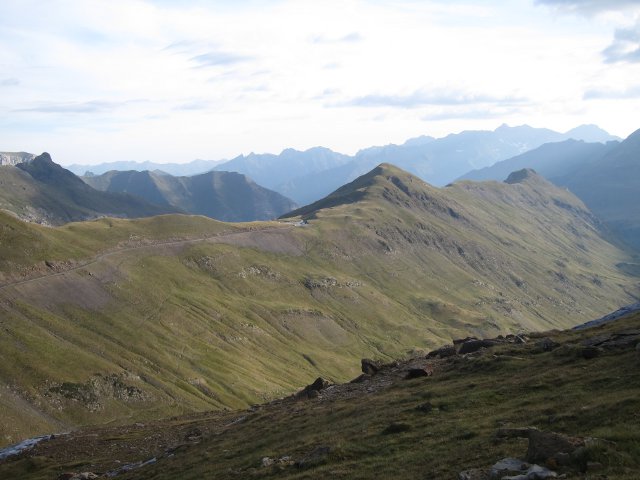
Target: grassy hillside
x,y
139,319
226,196
581,385
42,191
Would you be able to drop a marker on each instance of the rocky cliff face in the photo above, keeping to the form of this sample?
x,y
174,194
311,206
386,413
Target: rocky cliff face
x,y
14,158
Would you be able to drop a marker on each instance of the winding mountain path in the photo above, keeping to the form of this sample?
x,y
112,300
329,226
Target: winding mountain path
x,y
159,244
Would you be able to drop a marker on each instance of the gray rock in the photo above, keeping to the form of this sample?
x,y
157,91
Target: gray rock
x,y
508,466
474,474
443,352
534,472
547,445
471,346
370,367
418,372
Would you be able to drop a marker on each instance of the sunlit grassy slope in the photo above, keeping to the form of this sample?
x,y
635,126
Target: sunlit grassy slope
x,y
157,325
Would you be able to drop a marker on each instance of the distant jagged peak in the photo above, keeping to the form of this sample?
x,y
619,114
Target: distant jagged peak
x,y
520,176
43,157
591,133
14,158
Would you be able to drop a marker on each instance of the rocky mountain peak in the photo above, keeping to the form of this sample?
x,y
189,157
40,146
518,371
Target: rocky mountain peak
x,y
14,158
520,176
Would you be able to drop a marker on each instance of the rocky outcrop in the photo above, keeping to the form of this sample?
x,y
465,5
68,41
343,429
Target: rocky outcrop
x,y
14,158
621,312
313,390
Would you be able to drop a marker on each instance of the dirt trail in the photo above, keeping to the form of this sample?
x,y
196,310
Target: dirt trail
x,y
216,238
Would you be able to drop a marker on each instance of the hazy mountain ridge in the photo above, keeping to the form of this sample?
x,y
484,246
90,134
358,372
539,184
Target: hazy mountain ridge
x,y
194,167
42,191
226,196
605,176
435,160
306,176
251,312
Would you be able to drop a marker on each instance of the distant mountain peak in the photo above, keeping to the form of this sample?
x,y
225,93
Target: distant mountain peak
x,y
520,176
590,133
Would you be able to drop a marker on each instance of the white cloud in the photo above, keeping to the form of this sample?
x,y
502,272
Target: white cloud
x,y
173,81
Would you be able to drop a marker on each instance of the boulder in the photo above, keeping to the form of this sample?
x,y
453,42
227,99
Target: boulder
x,y
425,407
460,341
545,446
471,346
370,367
474,474
418,372
312,391
443,352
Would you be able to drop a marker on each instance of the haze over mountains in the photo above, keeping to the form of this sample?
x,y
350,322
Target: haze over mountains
x,y
37,189
605,176
175,314
310,175
226,196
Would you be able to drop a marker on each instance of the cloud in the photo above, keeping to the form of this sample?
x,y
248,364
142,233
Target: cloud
x,y
611,94
589,7
469,114
9,82
217,58
625,46
421,98
352,37
93,106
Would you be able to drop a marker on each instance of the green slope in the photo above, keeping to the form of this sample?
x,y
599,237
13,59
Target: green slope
x,y
386,426
150,322
226,196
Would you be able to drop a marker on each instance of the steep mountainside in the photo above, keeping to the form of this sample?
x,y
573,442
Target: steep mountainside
x,y
551,160
42,191
226,196
116,319
545,405
606,177
610,186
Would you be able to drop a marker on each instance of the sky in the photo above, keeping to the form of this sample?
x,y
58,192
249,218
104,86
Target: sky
x,y
94,81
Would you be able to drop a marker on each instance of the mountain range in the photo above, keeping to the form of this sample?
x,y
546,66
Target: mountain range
x,y
114,319
437,161
226,196
605,176
39,190
306,176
